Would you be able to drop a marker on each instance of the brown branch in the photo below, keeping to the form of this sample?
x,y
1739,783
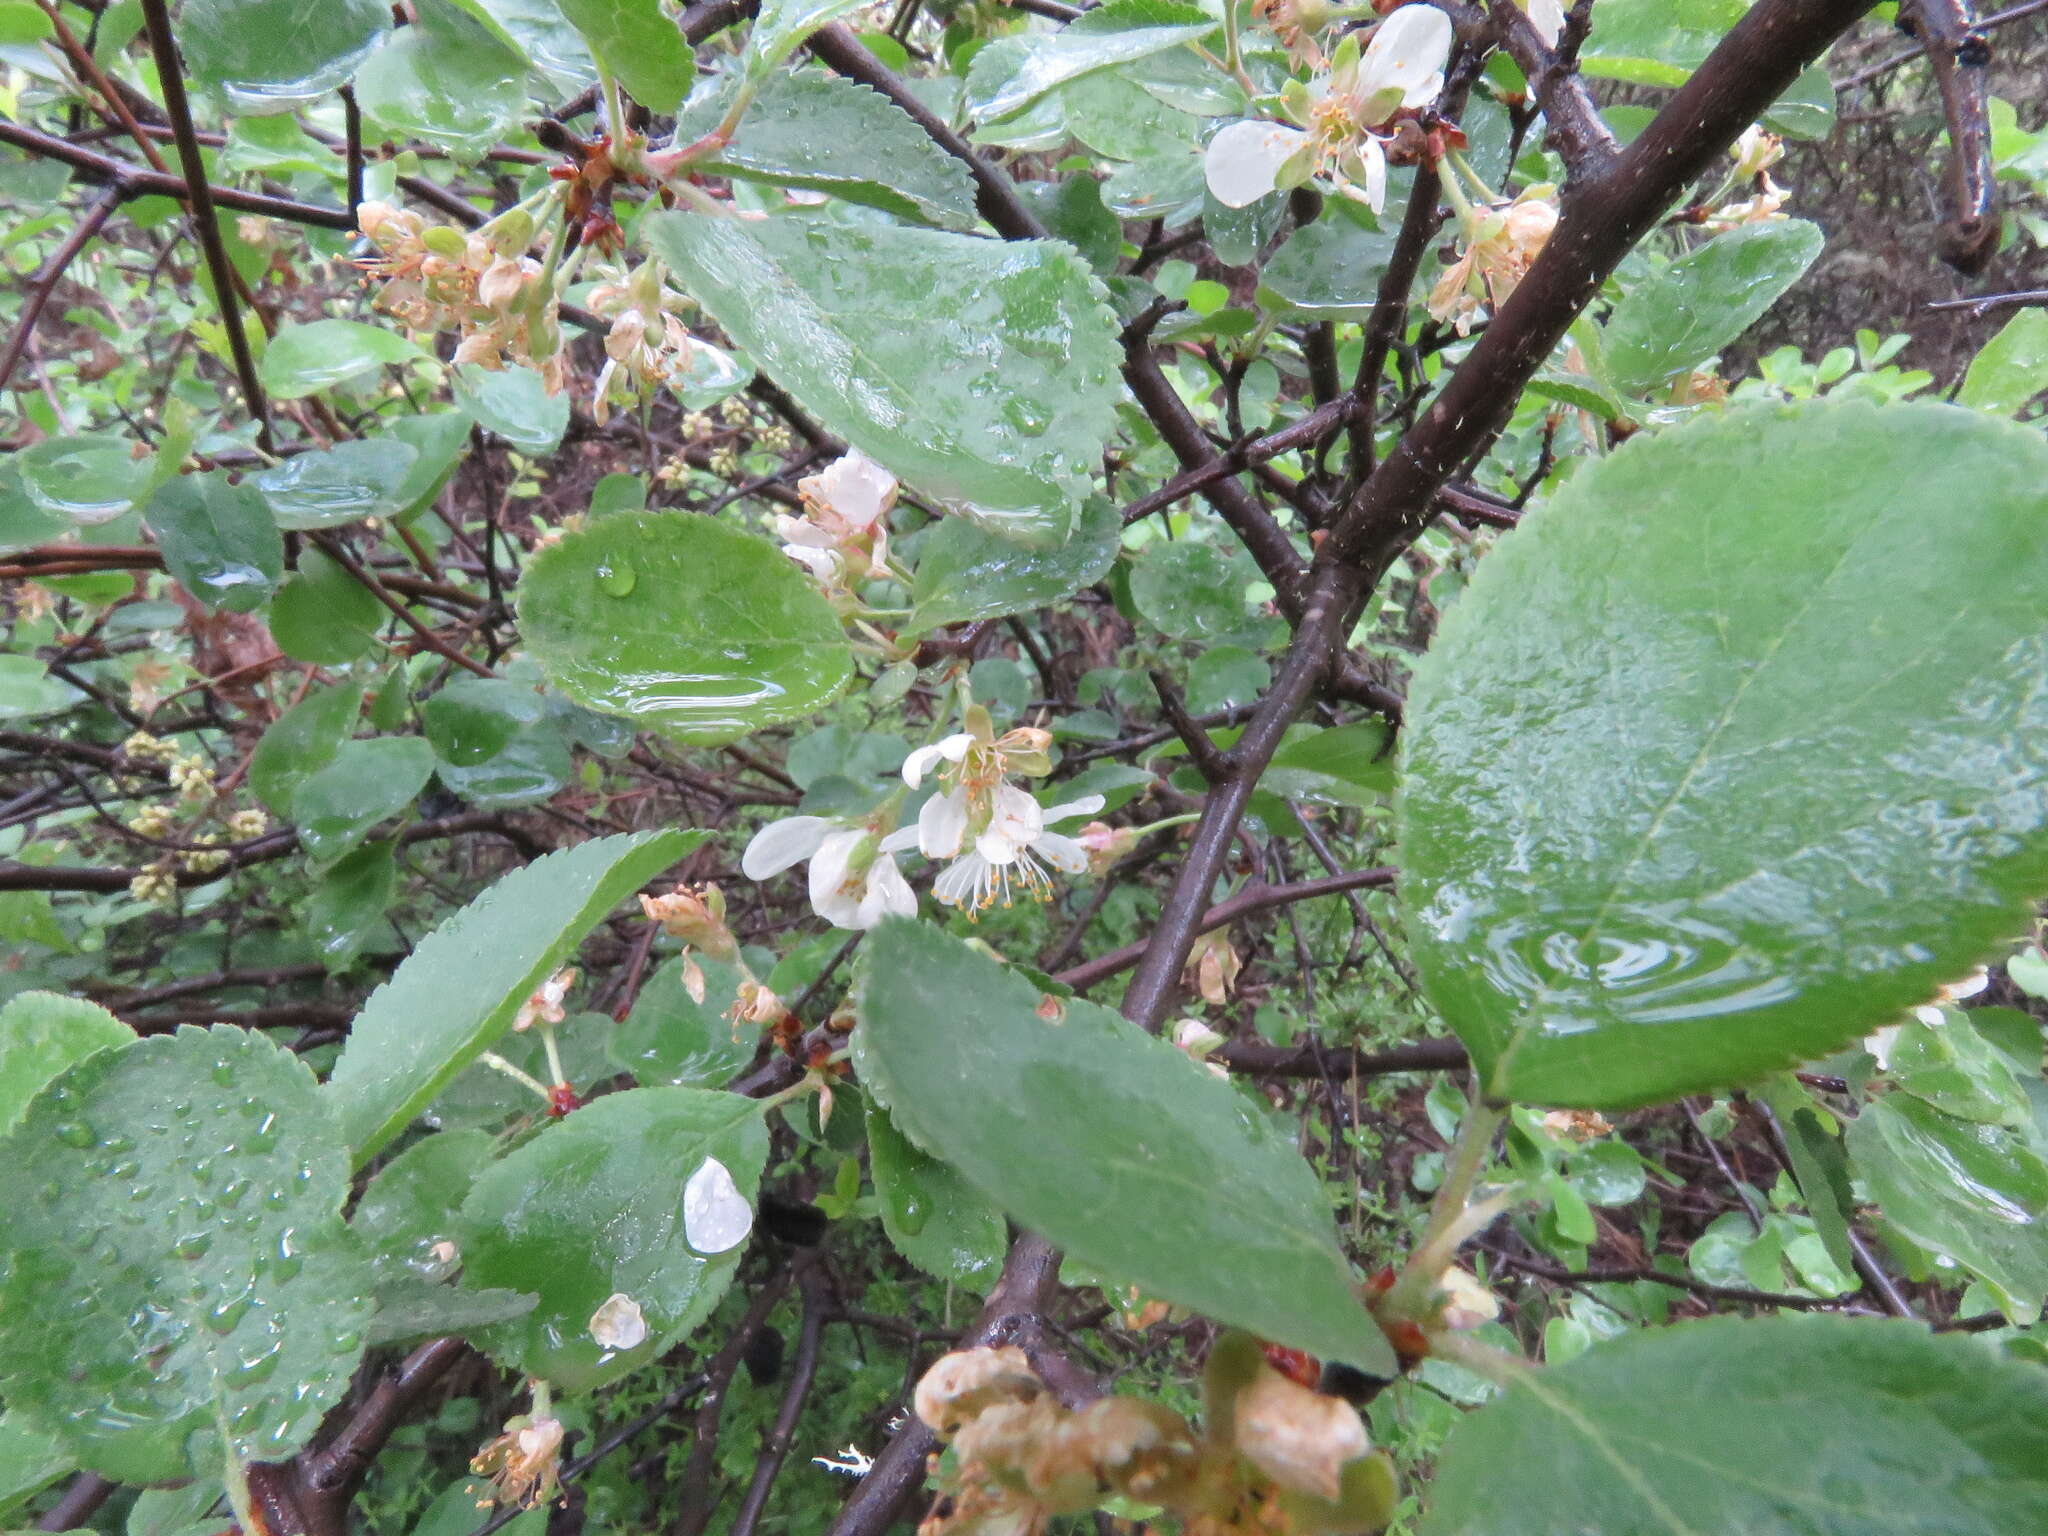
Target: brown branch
x,y
333,549
693,1484
803,1370
1313,1059
1573,125
78,1503
1957,53
1246,903
89,73
206,223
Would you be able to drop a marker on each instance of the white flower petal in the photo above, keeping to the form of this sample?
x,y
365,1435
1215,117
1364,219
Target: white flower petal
x,y
1243,162
1373,161
1015,817
888,894
942,825
855,487
1407,49
783,843
923,759
1062,853
1547,17
834,896
959,880
998,849
1087,805
1931,1015
716,1216
902,840
618,1323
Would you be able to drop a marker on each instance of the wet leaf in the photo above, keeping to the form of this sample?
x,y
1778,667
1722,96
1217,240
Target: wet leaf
x,y
1710,772
366,783
781,24
88,479
305,359
672,1040
1682,318
2012,367
1011,73
496,742
682,624
965,572
348,905
42,1033
457,991
981,373
1976,1193
219,540
176,1265
593,1207
302,741
365,477
30,1458
1855,1427
827,134
1957,1070
273,55
1193,591
1330,270
413,1206
322,614
514,403
935,1218
1157,1171
641,44
447,81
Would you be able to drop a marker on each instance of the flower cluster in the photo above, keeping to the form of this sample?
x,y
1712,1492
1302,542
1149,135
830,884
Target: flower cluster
x,y
1338,122
480,284
524,1463
1755,153
996,834
647,345
844,532
1500,241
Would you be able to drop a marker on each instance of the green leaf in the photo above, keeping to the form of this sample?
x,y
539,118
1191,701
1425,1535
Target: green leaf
x,y
273,55
23,23
302,360
1692,793
1775,1426
1976,1193
2012,367
30,1458
782,24
1819,1163
218,539
364,477
1159,1173
458,990
932,1215
555,48
1656,42
28,690
177,1269
1807,109
983,373
302,741
41,1034
1957,1070
414,1204
641,44
437,440
1347,764
672,1040
1683,317
1012,72
446,80
496,742
410,1309
965,572
322,614
514,403
349,902
89,479
593,1207
1192,591
827,134
23,522
683,624
368,782
1331,269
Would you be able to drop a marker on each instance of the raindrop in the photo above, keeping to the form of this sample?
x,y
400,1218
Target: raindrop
x,y
616,578
74,1133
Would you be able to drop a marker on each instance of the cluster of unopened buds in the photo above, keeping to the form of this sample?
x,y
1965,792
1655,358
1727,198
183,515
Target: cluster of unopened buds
x,y
155,882
1274,1457
480,284
1339,125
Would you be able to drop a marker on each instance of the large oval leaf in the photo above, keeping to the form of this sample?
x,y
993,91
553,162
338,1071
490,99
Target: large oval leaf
x,y
272,55
593,1208
681,624
1782,1426
1106,1140
175,1266
1734,751
981,373
457,992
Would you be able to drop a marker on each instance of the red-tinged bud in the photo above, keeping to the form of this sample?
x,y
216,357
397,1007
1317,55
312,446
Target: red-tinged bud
x,y
1297,1365
561,1100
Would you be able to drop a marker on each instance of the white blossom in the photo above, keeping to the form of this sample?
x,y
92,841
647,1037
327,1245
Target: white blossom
x,y
853,879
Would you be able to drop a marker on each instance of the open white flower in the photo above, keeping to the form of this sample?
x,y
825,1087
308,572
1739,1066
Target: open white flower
x,y
842,532
1006,857
1400,70
854,881
1547,17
